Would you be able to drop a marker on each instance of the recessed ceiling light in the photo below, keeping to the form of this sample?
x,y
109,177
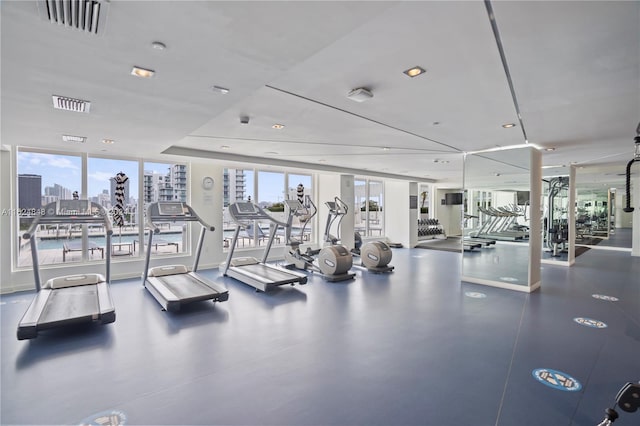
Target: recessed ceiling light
x,y
497,174
508,125
322,160
386,148
271,153
142,72
158,45
225,147
436,123
414,72
108,141
71,138
550,149
219,89
278,126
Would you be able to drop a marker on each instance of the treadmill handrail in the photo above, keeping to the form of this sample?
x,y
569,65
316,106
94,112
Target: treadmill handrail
x,y
192,217
51,217
259,214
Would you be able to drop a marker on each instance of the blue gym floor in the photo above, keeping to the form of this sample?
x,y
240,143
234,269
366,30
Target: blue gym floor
x,y
407,348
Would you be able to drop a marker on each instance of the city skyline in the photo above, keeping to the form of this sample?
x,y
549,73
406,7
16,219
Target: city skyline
x,y
66,171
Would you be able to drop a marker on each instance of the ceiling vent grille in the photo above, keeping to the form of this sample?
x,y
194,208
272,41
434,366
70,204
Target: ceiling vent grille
x,y
72,138
83,15
70,104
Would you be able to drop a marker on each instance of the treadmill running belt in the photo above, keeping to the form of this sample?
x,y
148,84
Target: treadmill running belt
x,y
70,303
185,286
268,273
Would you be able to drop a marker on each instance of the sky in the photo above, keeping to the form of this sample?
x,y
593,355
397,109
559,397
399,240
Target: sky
x,y
66,170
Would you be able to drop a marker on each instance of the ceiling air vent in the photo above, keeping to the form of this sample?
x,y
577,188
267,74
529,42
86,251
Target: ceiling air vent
x,y
70,104
83,15
72,138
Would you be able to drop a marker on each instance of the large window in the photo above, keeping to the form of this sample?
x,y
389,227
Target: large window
x,y
165,182
374,208
238,186
271,195
369,206
114,185
42,179
269,190
303,226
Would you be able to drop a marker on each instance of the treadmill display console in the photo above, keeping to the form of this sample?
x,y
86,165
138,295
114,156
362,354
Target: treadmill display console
x,y
171,209
73,208
246,207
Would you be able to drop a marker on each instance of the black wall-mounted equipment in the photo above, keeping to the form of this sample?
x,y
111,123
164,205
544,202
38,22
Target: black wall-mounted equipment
x,y
636,157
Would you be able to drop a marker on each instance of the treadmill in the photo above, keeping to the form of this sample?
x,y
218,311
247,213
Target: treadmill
x,y
70,299
250,270
174,286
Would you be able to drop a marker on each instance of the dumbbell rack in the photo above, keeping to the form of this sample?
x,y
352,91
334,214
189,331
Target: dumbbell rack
x,y
429,229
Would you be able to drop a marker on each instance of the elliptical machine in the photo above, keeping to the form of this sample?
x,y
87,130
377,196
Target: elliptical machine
x,y
332,262
374,255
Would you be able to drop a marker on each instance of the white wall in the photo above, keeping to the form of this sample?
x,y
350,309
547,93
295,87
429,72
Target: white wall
x,y
400,221
450,217
6,236
622,218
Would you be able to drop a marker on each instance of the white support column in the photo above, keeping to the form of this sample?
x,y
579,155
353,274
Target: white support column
x,y
571,219
401,220
535,227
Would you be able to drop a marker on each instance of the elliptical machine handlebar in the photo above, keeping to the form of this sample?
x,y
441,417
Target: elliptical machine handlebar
x,y
337,210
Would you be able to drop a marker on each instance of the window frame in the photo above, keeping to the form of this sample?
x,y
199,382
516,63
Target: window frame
x,y
84,178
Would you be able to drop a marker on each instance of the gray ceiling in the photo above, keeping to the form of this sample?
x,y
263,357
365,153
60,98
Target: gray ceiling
x,y
574,68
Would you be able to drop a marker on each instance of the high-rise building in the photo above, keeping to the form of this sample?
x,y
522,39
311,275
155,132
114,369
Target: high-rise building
x,y
29,191
178,177
58,192
151,185
234,185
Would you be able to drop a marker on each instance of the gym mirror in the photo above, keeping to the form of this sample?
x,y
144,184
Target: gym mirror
x,y
502,219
